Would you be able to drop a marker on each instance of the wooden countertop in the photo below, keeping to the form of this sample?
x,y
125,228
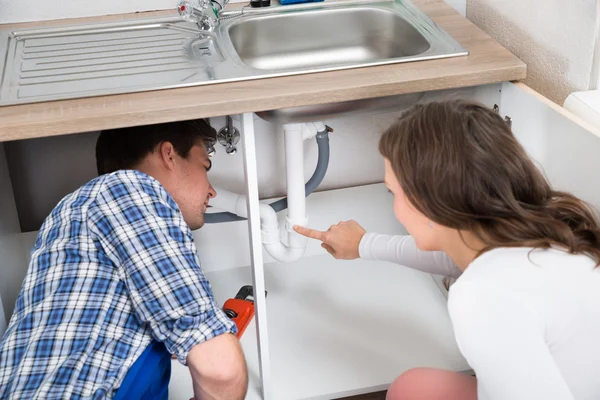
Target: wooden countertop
x,y
487,62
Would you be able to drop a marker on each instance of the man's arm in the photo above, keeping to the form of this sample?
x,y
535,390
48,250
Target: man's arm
x,y
144,235
218,369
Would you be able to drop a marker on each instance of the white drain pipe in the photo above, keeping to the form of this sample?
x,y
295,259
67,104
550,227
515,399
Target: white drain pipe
x,y
295,134
296,212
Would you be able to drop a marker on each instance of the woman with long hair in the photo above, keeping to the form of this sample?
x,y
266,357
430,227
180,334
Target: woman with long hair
x,y
525,307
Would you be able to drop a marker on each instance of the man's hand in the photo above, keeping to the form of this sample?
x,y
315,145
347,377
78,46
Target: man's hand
x,y
341,240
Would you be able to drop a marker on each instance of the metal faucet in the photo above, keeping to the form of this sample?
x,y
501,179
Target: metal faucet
x,y
205,13
229,136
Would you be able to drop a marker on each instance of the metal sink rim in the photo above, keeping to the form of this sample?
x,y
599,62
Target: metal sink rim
x,y
231,69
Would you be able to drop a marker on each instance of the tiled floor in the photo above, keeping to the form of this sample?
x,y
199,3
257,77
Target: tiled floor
x,y
370,396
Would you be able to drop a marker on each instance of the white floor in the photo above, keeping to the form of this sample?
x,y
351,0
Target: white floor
x,y
341,328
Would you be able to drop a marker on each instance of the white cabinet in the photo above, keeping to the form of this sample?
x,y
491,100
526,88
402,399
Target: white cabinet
x,y
565,147
336,328
2,318
330,328
13,263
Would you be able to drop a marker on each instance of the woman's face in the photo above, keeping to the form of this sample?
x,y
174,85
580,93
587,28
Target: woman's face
x,y
418,225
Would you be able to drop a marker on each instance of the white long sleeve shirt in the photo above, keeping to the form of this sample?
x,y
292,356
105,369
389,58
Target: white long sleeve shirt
x,y
527,321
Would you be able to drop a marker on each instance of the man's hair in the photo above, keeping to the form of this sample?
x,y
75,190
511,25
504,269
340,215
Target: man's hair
x,y
124,148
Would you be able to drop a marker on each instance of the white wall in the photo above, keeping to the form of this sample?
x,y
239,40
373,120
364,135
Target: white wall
x,y
555,38
38,10
459,5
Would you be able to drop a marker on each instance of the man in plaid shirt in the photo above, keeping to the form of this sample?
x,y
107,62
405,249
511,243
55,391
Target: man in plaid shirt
x,y
115,286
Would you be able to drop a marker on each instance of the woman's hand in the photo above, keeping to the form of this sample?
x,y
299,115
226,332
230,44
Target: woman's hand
x,y
341,240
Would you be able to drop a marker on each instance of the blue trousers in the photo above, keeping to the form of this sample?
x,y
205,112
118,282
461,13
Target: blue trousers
x,y
148,378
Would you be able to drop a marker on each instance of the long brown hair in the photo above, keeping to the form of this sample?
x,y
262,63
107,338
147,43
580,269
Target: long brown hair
x,y
460,165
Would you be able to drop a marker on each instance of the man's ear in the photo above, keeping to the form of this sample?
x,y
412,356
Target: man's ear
x,y
167,154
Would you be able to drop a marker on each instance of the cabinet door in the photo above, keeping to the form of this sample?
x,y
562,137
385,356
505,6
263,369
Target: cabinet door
x,y
2,319
565,147
13,264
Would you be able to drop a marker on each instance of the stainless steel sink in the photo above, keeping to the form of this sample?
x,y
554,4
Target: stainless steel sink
x,y
325,38
161,53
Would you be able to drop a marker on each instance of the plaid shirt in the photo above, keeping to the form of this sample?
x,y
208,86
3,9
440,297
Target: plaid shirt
x,y
113,267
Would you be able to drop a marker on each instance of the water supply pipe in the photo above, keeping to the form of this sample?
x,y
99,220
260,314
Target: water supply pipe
x,y
294,136
280,205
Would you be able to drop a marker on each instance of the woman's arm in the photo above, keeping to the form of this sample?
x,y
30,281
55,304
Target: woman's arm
x,y
402,249
348,240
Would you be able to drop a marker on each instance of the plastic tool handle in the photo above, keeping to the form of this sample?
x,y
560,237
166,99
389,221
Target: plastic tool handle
x,y
241,312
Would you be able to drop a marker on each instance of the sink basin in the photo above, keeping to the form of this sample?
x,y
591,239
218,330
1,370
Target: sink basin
x,y
87,60
325,38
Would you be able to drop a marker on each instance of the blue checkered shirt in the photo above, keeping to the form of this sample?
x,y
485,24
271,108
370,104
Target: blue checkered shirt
x,y
113,267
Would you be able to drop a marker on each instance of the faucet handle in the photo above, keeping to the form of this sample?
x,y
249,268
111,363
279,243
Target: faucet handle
x,y
186,11
200,12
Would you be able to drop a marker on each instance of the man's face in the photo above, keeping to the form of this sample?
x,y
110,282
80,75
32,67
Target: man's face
x,y
193,187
